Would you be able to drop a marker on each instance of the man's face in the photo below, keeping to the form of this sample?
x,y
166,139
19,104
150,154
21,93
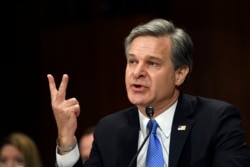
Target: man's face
x,y
150,76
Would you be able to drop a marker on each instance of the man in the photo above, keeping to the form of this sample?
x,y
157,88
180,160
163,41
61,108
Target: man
x,y
85,143
193,131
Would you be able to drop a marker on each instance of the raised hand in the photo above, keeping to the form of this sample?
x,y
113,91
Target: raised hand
x,y
65,111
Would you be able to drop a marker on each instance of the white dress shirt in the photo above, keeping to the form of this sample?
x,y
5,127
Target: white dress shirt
x,y
163,132
68,159
164,121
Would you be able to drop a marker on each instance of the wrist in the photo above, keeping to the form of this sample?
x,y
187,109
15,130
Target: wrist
x,y
66,149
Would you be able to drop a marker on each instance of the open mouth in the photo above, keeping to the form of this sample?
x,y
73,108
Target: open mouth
x,y
137,86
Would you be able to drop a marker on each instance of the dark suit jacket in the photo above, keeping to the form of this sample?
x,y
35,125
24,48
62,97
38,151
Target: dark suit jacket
x,y
213,136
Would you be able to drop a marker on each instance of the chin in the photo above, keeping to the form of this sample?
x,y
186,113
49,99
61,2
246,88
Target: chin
x,y
139,102
138,99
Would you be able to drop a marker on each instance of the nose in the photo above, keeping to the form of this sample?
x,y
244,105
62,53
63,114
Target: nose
x,y
139,71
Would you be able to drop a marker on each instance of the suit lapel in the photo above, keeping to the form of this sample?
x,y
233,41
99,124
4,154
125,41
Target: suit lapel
x,y
182,124
128,139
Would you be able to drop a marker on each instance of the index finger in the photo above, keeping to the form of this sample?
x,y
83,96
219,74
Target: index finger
x,y
52,86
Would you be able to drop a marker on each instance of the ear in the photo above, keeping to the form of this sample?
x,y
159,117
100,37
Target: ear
x,y
181,74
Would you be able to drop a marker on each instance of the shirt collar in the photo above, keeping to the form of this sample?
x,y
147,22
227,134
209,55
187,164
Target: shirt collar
x,y
164,121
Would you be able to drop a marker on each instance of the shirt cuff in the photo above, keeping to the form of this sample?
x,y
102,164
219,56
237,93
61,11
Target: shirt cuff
x,y
69,159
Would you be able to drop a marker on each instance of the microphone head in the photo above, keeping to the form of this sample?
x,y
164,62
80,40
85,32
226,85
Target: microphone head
x,y
150,111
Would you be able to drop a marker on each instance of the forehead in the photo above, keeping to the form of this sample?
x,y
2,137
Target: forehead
x,y
150,45
10,149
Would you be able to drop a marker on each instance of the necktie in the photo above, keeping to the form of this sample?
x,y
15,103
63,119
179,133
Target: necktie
x,y
154,154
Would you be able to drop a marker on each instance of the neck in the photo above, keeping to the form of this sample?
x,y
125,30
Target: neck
x,y
160,107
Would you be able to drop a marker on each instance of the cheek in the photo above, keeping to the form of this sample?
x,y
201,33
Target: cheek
x,y
126,79
163,82
127,76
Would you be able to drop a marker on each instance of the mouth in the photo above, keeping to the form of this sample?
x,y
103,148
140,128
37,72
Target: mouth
x,y
138,87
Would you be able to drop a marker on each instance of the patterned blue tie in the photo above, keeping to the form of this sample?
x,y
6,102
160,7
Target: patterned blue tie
x,y
154,154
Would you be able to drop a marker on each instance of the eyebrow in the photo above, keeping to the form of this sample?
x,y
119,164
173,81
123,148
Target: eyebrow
x,y
148,57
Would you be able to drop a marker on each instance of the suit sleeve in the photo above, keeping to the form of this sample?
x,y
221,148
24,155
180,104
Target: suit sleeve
x,y
230,147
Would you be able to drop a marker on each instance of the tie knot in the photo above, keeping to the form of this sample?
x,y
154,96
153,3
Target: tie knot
x,y
152,124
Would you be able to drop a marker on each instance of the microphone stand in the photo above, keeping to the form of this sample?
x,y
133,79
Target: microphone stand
x,y
150,113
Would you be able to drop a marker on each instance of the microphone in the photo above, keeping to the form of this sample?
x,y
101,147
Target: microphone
x,y
150,113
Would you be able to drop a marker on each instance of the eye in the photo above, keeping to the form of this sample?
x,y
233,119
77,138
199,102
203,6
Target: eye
x,y
151,63
3,160
131,61
19,160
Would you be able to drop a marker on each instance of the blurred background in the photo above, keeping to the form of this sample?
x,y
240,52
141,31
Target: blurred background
x,y
84,38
